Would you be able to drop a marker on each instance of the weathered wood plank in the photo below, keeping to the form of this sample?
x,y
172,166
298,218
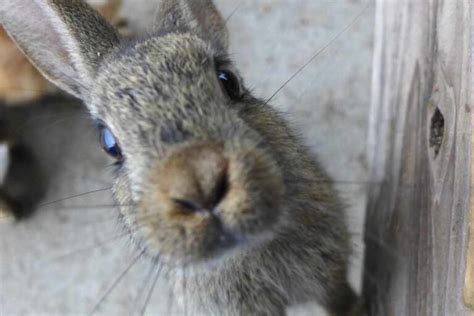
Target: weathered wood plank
x,y
469,282
419,147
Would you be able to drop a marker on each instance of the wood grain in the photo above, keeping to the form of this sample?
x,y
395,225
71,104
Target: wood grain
x,y
469,282
419,148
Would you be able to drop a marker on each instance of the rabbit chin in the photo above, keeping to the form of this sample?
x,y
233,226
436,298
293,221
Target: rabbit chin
x,y
232,247
243,245
226,255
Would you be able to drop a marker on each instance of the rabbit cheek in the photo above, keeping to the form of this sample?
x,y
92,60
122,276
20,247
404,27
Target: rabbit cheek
x,y
254,200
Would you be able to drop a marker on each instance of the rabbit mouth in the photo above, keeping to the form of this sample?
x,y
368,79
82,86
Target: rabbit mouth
x,y
215,204
206,244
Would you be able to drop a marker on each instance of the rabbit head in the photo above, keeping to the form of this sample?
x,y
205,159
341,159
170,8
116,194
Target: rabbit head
x,y
202,166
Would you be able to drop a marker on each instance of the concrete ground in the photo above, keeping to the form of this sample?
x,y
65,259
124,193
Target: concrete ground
x,y
64,258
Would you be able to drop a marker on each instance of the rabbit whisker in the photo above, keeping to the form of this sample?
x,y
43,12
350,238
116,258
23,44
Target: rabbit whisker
x,y
185,283
319,52
141,290
170,301
100,221
369,276
88,248
324,69
115,283
91,207
70,171
239,5
35,119
53,124
347,182
73,197
159,268
382,245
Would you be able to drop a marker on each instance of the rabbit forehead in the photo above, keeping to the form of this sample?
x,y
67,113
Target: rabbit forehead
x,y
155,76
163,87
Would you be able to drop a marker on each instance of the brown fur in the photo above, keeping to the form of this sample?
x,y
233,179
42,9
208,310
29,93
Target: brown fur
x,y
20,81
275,233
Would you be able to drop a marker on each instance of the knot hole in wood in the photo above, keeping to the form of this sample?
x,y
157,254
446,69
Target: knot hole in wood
x,y
436,131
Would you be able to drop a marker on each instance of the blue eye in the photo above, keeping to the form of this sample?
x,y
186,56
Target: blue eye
x,y
109,143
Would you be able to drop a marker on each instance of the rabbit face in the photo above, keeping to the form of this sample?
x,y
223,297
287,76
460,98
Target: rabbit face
x,y
193,178
199,159
204,169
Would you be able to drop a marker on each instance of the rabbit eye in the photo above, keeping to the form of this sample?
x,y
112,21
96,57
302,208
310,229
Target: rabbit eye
x,y
230,83
109,143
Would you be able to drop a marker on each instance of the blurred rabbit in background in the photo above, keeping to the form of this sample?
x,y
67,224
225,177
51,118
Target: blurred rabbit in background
x,y
21,84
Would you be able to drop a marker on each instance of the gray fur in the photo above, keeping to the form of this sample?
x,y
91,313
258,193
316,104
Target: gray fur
x,y
160,97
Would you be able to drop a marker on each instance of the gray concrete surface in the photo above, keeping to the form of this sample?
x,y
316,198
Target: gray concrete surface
x,y
47,266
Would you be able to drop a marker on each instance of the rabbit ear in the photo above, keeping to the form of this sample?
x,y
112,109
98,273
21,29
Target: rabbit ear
x,y
199,16
64,39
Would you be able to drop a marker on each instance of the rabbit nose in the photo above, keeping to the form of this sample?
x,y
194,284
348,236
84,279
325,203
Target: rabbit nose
x,y
205,203
195,178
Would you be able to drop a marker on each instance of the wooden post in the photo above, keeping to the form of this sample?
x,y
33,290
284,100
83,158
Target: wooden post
x,y
420,152
469,282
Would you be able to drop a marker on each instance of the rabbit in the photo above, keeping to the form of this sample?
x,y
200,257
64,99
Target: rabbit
x,y
211,182
22,182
